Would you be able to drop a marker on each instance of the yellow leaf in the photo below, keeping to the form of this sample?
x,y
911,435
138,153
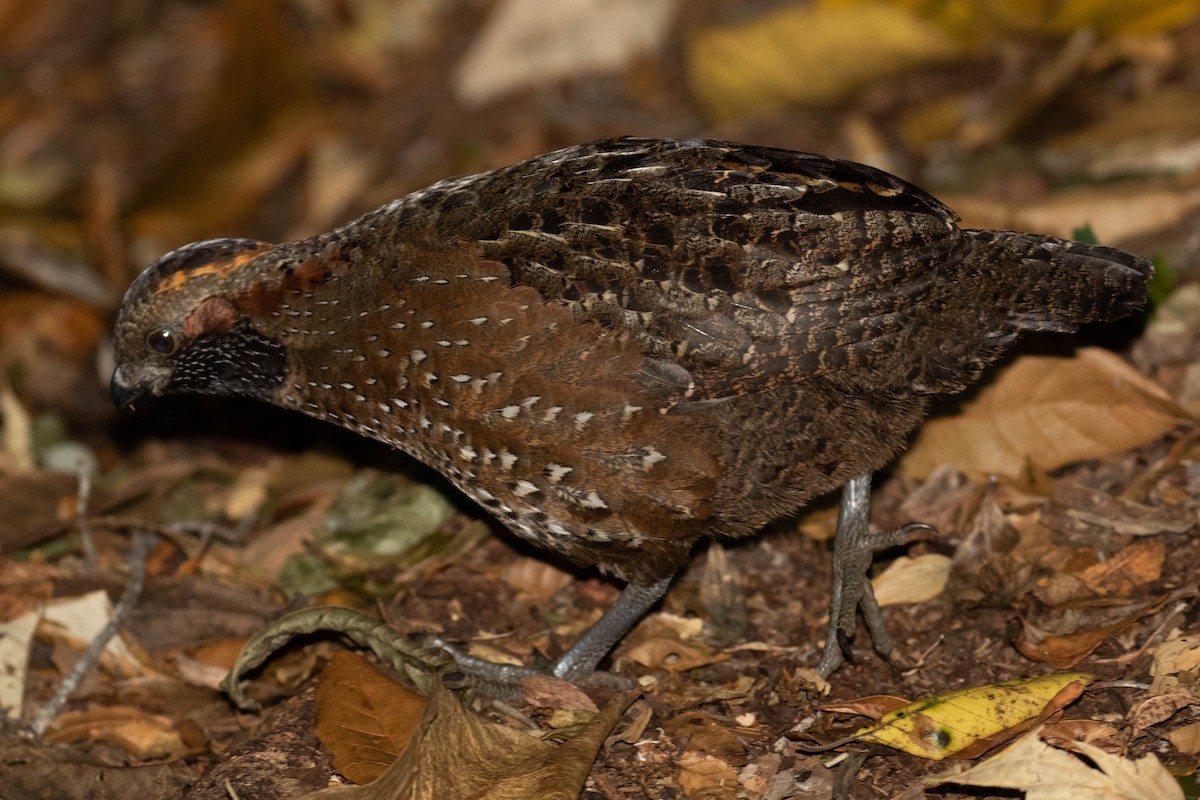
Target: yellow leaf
x,y
942,726
1047,411
811,54
1124,16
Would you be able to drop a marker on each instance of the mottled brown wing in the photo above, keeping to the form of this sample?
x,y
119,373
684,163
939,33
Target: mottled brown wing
x,y
737,266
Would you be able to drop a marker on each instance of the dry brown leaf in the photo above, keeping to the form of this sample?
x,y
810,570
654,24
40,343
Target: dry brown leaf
x,y
710,777
1065,651
546,691
1047,773
364,718
1077,506
1101,734
1047,411
1131,567
535,579
456,755
662,652
704,734
873,706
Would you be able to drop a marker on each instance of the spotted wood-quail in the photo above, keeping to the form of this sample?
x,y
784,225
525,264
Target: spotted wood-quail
x,y
622,347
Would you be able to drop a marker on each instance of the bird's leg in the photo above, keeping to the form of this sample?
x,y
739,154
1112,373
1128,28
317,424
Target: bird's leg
x,y
853,548
578,664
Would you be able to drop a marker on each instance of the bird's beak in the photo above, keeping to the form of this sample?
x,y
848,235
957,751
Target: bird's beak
x,y
128,396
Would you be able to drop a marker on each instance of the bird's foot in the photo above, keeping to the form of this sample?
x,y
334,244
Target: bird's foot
x,y
854,547
511,681
578,664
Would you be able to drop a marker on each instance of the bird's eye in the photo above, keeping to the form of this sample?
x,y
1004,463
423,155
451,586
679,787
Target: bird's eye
x,y
163,341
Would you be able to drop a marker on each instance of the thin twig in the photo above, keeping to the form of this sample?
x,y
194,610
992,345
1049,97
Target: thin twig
x,y
142,544
81,512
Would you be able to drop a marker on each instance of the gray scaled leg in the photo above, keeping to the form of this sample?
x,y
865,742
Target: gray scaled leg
x,y
578,664
853,548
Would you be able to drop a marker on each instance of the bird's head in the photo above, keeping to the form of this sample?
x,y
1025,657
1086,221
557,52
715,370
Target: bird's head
x,y
184,326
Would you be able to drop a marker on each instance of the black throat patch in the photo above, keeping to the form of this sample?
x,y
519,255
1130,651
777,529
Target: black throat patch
x,y
240,362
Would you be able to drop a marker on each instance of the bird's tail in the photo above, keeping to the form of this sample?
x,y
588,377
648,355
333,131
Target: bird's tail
x,y
1055,285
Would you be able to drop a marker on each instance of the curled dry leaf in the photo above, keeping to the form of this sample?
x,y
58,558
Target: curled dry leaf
x,y
1047,411
1066,650
457,755
1154,710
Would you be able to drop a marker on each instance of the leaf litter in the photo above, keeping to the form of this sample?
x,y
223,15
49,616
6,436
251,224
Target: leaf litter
x,y
1064,490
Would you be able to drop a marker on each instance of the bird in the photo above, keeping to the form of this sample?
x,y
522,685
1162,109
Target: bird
x,y
621,348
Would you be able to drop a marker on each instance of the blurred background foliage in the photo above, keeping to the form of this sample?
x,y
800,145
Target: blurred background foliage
x,y
129,127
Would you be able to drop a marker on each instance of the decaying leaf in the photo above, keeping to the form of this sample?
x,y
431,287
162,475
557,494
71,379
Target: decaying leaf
x,y
944,726
1047,773
1047,411
456,755
364,718
1154,710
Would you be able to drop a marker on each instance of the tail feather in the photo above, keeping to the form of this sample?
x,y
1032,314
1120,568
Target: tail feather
x,y
1055,285
1017,282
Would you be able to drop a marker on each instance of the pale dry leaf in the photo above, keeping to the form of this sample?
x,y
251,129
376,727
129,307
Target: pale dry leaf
x,y
530,43
147,736
16,639
79,620
1186,739
535,579
1047,773
1181,654
1047,411
1114,216
912,580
